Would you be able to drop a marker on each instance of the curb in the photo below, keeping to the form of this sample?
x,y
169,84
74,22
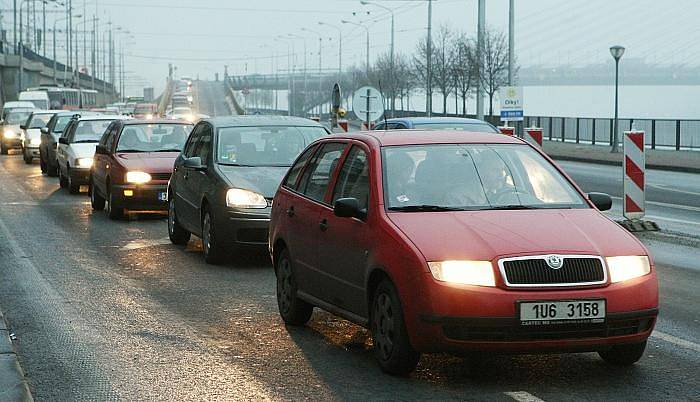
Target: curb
x,y
13,385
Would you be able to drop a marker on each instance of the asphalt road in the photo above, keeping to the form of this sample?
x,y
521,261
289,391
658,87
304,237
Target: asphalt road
x,y
209,98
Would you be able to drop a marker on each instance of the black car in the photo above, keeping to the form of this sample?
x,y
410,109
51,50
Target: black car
x,y
224,179
49,140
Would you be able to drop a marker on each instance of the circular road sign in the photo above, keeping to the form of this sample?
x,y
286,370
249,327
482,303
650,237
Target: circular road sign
x,y
360,104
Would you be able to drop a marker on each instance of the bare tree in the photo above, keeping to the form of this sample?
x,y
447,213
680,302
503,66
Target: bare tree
x,y
443,79
494,64
464,69
419,72
405,82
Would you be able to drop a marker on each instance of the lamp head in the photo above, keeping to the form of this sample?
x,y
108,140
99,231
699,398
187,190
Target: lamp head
x,y
617,52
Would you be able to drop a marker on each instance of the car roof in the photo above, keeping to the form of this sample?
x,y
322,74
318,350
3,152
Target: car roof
x,y
44,112
62,113
260,120
131,122
97,117
425,137
435,120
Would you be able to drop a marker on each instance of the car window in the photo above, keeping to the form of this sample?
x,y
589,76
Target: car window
x,y
264,145
153,137
39,120
317,176
89,130
192,141
294,172
108,138
61,123
353,179
203,147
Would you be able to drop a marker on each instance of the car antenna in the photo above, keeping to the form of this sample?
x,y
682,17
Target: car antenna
x,y
383,106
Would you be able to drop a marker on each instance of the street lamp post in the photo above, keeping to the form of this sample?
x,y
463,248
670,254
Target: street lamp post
x,y
290,82
367,31
55,80
340,45
320,67
616,52
391,54
303,102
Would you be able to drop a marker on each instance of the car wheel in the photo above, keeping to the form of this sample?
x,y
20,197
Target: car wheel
x,y
27,157
42,165
73,188
213,252
3,150
62,181
178,235
96,201
52,168
392,347
114,211
624,355
293,310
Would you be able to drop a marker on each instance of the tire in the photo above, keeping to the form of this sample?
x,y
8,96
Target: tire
x,y
27,158
62,181
3,150
42,165
293,310
96,200
52,168
213,252
178,235
624,355
114,211
392,348
72,187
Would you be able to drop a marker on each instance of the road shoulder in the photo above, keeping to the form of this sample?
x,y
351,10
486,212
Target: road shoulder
x,y
13,385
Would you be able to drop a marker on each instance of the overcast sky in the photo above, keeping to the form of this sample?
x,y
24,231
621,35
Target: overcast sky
x,y
200,36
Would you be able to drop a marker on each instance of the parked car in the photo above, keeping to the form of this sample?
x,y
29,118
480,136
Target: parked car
x,y
441,242
50,134
76,148
436,123
31,133
133,163
145,110
13,114
224,179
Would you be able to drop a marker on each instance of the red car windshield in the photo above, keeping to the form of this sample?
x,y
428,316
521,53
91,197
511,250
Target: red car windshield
x,y
163,137
472,177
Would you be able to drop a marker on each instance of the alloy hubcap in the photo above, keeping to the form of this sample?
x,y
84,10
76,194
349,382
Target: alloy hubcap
x,y
207,233
171,216
384,325
284,285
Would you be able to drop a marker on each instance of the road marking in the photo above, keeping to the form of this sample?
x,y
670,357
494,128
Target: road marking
x,y
685,222
523,396
138,244
676,341
664,204
668,188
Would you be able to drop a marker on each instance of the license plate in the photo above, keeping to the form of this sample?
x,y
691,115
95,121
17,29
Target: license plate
x,y
562,311
162,196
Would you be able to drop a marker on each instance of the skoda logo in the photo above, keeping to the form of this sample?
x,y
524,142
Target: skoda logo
x,y
555,261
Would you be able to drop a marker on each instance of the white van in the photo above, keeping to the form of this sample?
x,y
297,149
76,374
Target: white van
x,y
40,99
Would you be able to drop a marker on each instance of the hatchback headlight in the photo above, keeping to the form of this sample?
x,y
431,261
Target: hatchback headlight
x,y
8,133
35,142
84,162
478,273
138,177
239,198
627,267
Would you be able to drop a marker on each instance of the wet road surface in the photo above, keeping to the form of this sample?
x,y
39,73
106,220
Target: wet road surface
x,y
109,310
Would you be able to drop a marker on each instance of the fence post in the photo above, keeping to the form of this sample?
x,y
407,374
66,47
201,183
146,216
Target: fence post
x,y
631,124
612,135
551,129
653,134
678,135
578,136
593,133
563,129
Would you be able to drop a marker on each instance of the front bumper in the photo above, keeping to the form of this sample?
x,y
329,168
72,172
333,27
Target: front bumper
x,y
463,318
10,143
80,176
32,150
244,227
143,198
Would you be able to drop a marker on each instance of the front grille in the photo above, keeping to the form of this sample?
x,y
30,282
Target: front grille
x,y
534,271
160,176
252,235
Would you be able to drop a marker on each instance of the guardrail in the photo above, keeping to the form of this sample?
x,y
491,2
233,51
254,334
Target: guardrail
x,y
165,98
231,98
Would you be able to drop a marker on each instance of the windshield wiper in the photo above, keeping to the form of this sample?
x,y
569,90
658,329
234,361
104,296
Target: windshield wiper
x,y
513,206
130,150
84,141
167,150
424,208
236,164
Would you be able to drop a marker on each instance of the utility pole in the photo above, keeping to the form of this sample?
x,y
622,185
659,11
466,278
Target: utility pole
x,y
43,29
14,22
511,43
429,62
480,57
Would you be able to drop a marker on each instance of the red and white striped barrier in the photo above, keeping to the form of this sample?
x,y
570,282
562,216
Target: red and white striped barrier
x,y
317,119
343,125
371,126
634,174
533,135
507,130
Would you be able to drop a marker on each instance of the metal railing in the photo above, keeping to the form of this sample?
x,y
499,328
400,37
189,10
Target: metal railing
x,y
675,134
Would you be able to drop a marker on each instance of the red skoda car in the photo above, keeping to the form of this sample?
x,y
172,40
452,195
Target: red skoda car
x,y
446,242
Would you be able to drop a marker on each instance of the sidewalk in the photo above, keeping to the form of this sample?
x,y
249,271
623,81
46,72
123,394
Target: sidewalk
x,y
13,385
680,161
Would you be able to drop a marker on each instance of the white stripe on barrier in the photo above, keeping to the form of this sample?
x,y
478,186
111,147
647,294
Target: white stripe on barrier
x,y
633,170
534,135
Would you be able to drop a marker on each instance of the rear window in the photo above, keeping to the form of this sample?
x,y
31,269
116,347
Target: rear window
x,y
473,127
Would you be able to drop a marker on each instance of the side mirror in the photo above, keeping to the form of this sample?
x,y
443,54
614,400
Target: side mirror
x,y
22,127
601,201
194,163
348,208
63,140
44,130
101,150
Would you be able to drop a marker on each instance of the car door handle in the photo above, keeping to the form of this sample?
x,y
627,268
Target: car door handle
x,y
323,224
290,211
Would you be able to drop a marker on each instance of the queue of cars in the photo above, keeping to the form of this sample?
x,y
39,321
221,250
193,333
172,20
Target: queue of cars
x,y
446,240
